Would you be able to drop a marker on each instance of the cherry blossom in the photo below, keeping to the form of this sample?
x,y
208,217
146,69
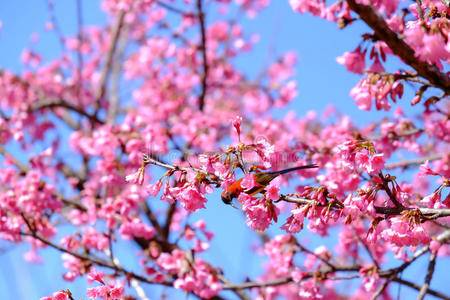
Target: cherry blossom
x,y
122,143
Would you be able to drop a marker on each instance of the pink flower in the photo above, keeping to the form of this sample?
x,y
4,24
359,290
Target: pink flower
x,y
259,214
219,31
60,295
191,198
432,200
108,291
361,94
299,5
401,234
116,292
376,67
362,159
248,182
237,124
129,230
294,223
416,100
425,169
434,246
74,265
210,163
136,177
153,189
33,257
272,192
200,246
370,276
92,239
265,150
310,290
95,275
376,164
353,61
287,93
200,280
171,262
31,58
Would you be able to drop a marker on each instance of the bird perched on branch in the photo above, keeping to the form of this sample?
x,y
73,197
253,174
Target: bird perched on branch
x,y
262,179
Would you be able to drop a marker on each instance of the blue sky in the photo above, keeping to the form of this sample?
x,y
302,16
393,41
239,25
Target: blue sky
x,y
321,82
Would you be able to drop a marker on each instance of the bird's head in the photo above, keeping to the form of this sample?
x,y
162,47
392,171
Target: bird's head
x,y
227,197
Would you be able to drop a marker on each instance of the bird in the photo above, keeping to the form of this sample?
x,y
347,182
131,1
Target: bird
x,y
262,180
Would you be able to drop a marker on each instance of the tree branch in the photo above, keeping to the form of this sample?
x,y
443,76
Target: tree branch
x,y
238,291
399,47
98,261
151,216
64,104
431,213
305,201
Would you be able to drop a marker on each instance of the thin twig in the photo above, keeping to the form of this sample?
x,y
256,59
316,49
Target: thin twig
x,y
109,251
240,159
169,217
79,54
394,135
430,272
417,161
387,189
420,11
381,289
150,160
417,287
252,284
172,8
152,218
134,283
305,201
113,107
281,281
204,75
55,25
239,292
115,33
368,250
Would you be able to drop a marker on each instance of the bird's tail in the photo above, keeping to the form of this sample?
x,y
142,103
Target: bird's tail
x,y
295,168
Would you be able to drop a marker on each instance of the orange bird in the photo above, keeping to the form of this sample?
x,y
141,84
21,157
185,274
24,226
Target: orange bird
x,y
262,180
